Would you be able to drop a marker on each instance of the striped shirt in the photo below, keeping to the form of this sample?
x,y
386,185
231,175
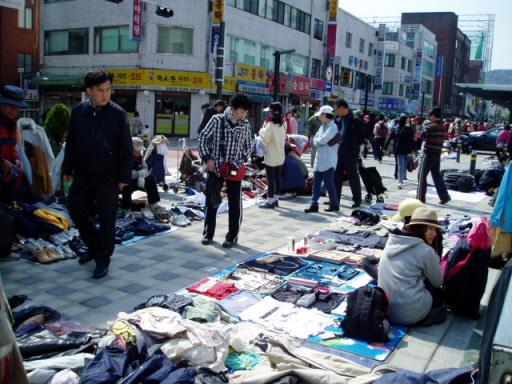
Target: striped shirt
x,y
434,136
237,138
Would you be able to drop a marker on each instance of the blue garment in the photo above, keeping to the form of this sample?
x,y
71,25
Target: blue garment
x,y
328,178
291,174
502,213
27,168
326,155
402,161
108,366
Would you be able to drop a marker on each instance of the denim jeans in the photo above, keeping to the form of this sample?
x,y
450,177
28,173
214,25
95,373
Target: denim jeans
x,y
328,178
402,161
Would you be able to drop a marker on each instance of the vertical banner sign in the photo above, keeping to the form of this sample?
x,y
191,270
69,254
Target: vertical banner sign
x,y
136,21
218,11
332,30
439,77
333,10
417,75
379,65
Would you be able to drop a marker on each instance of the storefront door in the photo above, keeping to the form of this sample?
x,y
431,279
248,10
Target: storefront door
x,y
173,114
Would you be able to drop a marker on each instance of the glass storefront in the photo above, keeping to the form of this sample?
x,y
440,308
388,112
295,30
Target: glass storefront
x,y
172,114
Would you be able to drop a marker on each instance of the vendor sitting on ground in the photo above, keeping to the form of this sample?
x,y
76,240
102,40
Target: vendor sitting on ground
x,y
292,175
491,178
410,272
142,180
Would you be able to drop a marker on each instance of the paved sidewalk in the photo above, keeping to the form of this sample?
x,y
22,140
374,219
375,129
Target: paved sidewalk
x,y
165,263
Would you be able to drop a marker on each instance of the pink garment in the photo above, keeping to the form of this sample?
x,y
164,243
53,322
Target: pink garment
x,y
504,137
481,128
293,127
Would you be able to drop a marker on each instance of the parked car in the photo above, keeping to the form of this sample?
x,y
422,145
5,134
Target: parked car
x,y
484,140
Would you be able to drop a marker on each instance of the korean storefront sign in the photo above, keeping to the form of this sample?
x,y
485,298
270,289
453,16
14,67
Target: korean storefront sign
x,y
218,11
251,75
136,21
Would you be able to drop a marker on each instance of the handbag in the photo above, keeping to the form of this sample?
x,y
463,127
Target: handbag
x,y
213,187
413,164
229,171
335,140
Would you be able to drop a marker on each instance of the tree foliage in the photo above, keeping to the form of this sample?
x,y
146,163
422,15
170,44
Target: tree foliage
x,y
57,123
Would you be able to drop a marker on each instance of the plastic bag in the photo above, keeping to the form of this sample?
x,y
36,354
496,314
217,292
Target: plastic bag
x,y
260,148
480,236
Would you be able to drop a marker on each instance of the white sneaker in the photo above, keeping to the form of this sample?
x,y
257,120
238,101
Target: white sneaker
x,y
400,185
127,214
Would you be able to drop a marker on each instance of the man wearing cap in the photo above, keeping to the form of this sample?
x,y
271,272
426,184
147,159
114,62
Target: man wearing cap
x,y
99,158
326,160
11,169
348,152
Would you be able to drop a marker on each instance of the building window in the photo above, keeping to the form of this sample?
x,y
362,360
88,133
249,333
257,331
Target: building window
x,y
25,61
176,40
251,6
404,63
387,88
67,42
408,92
316,66
26,18
409,66
114,39
348,40
370,49
401,90
389,60
262,8
361,45
318,30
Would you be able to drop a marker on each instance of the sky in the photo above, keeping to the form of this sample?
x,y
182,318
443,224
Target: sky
x,y
502,9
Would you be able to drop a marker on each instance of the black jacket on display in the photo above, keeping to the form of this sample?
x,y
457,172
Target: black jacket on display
x,y
99,144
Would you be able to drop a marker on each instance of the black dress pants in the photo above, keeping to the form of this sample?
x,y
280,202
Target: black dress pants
x,y
100,240
347,162
234,190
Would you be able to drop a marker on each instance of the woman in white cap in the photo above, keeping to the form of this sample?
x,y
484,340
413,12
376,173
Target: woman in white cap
x,y
273,134
410,272
326,160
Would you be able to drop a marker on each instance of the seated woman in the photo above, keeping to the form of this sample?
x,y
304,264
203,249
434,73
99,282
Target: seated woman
x,y
491,178
410,272
292,176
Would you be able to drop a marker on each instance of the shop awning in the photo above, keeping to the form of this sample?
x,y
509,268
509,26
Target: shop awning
x,y
257,98
306,98
76,80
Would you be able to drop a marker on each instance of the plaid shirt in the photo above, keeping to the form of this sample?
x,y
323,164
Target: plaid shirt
x,y
237,138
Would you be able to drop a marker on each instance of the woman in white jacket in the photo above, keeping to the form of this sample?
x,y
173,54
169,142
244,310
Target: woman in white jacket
x,y
273,134
410,272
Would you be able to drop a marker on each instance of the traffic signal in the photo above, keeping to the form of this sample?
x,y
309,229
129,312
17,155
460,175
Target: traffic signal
x,y
116,1
164,12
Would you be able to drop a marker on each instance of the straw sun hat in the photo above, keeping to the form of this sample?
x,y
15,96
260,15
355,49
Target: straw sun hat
x,y
425,216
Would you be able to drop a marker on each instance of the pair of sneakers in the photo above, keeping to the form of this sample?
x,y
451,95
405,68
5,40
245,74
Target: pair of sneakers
x,y
42,251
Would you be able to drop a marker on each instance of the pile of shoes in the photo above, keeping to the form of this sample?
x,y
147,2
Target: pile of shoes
x,y
160,214
178,218
123,235
45,252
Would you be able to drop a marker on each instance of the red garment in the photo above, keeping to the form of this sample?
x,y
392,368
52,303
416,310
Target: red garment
x,y
212,288
481,128
8,139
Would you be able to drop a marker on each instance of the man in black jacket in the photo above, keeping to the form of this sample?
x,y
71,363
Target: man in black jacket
x,y
99,158
218,107
351,128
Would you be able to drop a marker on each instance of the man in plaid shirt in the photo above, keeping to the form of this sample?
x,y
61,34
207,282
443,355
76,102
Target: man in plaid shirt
x,y
227,137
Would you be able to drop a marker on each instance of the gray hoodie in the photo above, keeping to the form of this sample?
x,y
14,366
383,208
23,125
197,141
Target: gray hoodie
x,y
406,262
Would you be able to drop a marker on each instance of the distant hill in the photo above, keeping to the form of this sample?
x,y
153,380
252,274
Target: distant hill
x,y
499,76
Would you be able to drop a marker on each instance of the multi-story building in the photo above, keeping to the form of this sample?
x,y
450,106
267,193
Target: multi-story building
x,y
453,53
19,45
165,67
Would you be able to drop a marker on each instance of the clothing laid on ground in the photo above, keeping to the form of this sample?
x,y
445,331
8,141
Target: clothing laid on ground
x,y
406,263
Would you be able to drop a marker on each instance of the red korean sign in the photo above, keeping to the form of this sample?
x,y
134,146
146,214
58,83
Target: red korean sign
x,y
136,22
300,85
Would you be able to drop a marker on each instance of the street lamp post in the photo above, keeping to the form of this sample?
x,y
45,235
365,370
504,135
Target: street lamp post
x,y
277,63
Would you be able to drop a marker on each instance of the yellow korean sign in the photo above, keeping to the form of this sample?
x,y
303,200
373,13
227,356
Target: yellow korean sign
x,y
247,74
333,10
218,11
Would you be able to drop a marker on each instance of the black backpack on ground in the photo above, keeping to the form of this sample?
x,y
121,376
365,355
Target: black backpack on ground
x,y
459,181
465,280
367,315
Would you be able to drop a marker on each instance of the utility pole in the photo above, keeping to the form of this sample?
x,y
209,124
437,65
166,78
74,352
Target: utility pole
x,y
277,64
219,71
366,90
422,103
